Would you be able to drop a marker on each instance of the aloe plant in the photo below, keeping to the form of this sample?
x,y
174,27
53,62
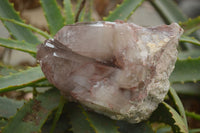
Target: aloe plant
x,y
43,113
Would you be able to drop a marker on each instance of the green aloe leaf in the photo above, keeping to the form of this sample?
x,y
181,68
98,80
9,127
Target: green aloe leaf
x,y
165,113
9,107
100,123
186,71
3,122
80,10
83,121
173,95
19,32
62,125
69,15
58,113
194,130
189,54
169,10
142,127
193,115
21,79
53,15
88,11
81,15
189,40
44,83
78,120
124,10
190,88
18,45
190,25
164,129
44,34
34,113
6,70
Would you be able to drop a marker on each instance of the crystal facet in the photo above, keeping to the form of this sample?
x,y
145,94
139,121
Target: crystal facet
x,y
114,68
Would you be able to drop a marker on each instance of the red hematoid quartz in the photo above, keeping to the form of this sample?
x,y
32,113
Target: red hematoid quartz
x,y
117,69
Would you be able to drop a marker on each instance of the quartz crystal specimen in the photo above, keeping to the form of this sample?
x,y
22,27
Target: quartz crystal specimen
x,y
114,68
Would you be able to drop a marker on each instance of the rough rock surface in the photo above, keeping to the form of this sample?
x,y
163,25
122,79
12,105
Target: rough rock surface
x,y
117,69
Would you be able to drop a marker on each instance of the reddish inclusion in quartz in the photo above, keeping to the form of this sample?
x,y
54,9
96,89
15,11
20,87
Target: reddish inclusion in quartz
x,y
114,68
